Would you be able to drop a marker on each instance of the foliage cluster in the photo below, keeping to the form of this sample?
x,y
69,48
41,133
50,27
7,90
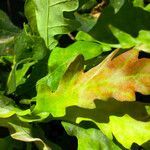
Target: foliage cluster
x,y
82,63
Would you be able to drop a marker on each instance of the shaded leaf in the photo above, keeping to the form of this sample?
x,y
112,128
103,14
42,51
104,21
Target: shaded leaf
x,y
6,26
28,51
24,132
87,21
8,108
90,139
117,4
7,33
11,144
129,20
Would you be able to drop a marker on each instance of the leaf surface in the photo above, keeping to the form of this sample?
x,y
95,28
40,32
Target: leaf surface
x,y
90,139
136,131
10,143
6,26
113,28
50,19
28,51
57,67
24,132
118,77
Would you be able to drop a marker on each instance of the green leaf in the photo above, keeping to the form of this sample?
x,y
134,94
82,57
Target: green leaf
x,y
109,79
28,51
11,144
83,36
24,132
7,33
125,39
89,139
128,130
87,5
138,3
122,27
50,18
30,13
147,7
87,21
17,76
57,67
29,46
6,26
7,108
143,41
6,46
116,4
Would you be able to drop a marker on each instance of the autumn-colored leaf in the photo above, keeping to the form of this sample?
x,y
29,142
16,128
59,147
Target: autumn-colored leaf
x,y
118,78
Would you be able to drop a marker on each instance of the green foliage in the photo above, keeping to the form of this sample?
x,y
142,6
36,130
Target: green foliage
x,y
121,27
28,50
50,20
85,136
87,85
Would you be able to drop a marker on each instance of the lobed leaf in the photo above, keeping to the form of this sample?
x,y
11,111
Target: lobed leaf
x,y
116,25
24,132
133,131
57,67
119,78
50,18
90,139
28,50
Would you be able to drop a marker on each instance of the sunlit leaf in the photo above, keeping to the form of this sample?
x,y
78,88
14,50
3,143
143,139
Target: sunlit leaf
x,y
118,77
131,129
24,132
57,67
141,42
50,18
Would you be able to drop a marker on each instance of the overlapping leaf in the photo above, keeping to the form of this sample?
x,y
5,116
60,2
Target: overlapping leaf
x,y
25,132
91,139
49,18
28,51
136,131
119,78
113,28
57,67
80,95
124,128
8,108
7,33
